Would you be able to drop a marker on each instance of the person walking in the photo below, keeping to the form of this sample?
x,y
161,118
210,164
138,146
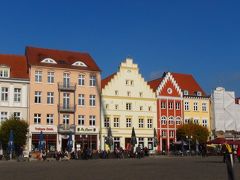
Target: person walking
x,y
229,161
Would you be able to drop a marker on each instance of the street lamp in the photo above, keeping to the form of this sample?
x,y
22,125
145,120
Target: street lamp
x,y
189,146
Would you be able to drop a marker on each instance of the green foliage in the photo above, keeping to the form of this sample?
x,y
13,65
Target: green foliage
x,y
20,129
197,132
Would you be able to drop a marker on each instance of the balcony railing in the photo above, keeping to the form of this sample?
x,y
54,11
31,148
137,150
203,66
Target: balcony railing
x,y
66,108
66,128
67,86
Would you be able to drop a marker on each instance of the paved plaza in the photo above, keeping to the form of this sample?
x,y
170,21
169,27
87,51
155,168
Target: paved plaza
x,y
196,168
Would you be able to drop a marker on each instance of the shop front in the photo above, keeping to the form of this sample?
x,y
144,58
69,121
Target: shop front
x,y
49,137
64,132
86,137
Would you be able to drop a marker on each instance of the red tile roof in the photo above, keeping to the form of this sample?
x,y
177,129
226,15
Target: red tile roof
x,y
64,59
17,64
154,84
105,81
187,82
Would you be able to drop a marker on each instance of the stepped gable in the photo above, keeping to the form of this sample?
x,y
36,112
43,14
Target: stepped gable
x,y
17,65
105,81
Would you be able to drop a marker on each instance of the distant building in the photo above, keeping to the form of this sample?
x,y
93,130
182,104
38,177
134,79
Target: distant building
x,y
226,113
64,98
14,87
127,102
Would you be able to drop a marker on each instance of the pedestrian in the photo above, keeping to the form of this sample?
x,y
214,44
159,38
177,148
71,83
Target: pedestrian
x,y
229,161
238,153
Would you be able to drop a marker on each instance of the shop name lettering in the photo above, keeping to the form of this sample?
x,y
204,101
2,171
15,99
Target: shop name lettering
x,y
86,129
43,129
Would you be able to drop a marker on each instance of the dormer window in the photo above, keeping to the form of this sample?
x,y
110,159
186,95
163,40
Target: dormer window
x,y
48,61
79,63
185,92
199,93
4,73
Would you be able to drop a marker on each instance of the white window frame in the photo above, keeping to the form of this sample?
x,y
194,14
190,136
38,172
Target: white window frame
x,y
50,97
128,122
37,118
93,80
50,119
129,106
163,105
81,79
81,99
38,97
195,106
204,107
4,93
116,122
205,123
17,95
17,115
107,122
92,120
92,100
81,119
149,123
171,120
38,76
163,120
178,104
4,73
50,77
66,119
140,123
186,106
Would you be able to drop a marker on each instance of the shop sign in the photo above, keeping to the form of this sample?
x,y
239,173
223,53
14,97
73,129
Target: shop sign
x,y
44,129
66,129
86,130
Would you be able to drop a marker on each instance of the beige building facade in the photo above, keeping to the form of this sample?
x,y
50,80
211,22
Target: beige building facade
x,y
127,102
64,99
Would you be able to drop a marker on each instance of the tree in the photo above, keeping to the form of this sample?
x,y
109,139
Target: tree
x,y
20,129
197,132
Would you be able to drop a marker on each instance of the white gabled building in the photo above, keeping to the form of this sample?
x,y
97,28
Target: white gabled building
x,y
14,86
225,112
127,102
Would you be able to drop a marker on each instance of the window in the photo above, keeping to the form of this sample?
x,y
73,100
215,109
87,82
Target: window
x,y
163,105
116,93
149,123
132,82
127,82
4,73
170,105
37,118
195,106
140,94
50,77
48,60
149,108
128,93
186,106
141,142
92,120
81,100
199,93
171,134
38,95
92,100
92,80
116,107
178,121
204,107
79,63
195,121
81,120
164,133
17,115
141,108
204,122
116,122
171,120
187,121
81,80
66,80
163,120
150,143
38,76
4,94
107,122
106,106
4,116
17,95
140,123
66,119
49,118
185,92
177,105
128,122
50,98
129,106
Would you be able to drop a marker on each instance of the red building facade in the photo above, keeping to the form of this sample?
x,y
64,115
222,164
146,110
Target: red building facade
x,y
169,109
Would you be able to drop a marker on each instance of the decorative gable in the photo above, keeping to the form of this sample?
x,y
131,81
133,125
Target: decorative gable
x,y
169,86
79,63
49,61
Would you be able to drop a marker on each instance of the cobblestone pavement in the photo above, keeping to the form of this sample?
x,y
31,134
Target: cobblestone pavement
x,y
163,167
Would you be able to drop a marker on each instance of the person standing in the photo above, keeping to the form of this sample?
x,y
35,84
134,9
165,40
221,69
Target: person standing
x,y
238,153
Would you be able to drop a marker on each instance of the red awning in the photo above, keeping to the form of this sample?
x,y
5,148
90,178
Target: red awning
x,y
223,140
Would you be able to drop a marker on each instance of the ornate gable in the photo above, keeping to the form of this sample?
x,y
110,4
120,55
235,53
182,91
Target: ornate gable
x,y
169,86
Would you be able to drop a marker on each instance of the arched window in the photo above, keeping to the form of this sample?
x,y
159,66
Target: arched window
x,y
49,61
178,121
79,63
163,120
171,120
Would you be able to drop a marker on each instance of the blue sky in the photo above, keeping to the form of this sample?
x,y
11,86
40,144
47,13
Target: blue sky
x,y
197,37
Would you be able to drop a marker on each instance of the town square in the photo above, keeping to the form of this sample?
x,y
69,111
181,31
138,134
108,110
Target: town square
x,y
119,89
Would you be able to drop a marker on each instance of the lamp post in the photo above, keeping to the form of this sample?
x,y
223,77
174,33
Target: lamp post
x,y
189,146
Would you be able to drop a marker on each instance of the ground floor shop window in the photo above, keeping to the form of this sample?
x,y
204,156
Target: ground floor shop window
x,y
150,143
141,142
86,141
116,142
50,141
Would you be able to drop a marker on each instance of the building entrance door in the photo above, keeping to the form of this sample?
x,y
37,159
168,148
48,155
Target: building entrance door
x,y
64,144
127,143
